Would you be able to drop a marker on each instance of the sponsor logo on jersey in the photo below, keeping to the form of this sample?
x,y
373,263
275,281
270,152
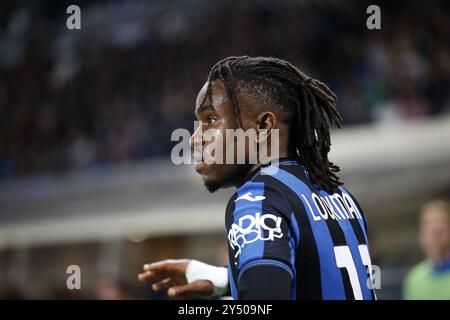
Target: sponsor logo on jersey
x,y
251,228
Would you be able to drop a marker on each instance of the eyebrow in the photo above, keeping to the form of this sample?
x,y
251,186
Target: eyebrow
x,y
204,107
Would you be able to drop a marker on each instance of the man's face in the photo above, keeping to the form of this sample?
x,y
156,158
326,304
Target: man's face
x,y
216,115
435,233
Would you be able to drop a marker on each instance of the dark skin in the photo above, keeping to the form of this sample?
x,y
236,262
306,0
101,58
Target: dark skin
x,y
216,113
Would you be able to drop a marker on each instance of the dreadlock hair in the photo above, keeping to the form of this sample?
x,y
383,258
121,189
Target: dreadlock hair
x,y
307,105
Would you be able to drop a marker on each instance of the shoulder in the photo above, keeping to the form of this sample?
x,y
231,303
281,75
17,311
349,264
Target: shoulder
x,y
353,204
415,280
261,191
419,271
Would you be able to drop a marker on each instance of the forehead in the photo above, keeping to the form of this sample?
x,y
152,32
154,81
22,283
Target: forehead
x,y
217,97
435,216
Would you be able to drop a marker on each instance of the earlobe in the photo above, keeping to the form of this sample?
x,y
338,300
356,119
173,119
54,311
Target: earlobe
x,y
262,135
267,122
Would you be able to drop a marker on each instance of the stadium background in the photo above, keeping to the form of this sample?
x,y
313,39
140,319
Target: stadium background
x,y
86,118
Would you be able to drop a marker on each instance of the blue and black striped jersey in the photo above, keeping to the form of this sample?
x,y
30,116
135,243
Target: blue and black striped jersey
x,y
289,240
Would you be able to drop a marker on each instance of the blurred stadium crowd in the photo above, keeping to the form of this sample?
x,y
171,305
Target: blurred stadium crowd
x,y
83,106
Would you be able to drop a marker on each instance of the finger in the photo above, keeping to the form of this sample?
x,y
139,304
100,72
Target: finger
x,y
149,276
166,265
164,284
157,266
199,287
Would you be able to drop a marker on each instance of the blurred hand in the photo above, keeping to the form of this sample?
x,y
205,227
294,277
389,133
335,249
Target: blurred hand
x,y
170,275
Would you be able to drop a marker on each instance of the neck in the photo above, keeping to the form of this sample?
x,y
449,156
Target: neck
x,y
438,259
253,167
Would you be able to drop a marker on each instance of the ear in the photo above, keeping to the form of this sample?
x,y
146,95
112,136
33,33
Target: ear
x,y
265,122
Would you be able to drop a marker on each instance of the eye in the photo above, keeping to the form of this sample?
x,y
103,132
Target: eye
x,y
211,120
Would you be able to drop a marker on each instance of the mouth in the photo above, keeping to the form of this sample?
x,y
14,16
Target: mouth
x,y
199,166
198,162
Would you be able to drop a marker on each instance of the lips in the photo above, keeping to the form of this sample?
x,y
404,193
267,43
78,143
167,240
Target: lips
x,y
197,161
198,166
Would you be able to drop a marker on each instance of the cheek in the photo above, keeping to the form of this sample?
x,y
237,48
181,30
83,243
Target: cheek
x,y
444,235
213,151
426,236
435,234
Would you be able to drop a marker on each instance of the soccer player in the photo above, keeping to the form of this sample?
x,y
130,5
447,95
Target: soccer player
x,y
294,232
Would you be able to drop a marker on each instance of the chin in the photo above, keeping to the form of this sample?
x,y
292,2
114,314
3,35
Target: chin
x,y
212,186
215,178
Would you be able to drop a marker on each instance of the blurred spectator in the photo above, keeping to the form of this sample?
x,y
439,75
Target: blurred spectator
x,y
115,90
111,289
10,293
430,279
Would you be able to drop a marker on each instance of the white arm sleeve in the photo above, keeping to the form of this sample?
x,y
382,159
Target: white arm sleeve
x,y
218,276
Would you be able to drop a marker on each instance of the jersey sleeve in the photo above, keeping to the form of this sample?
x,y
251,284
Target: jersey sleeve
x,y
262,248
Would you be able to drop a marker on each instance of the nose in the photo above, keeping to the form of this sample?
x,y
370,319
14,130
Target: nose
x,y
196,138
